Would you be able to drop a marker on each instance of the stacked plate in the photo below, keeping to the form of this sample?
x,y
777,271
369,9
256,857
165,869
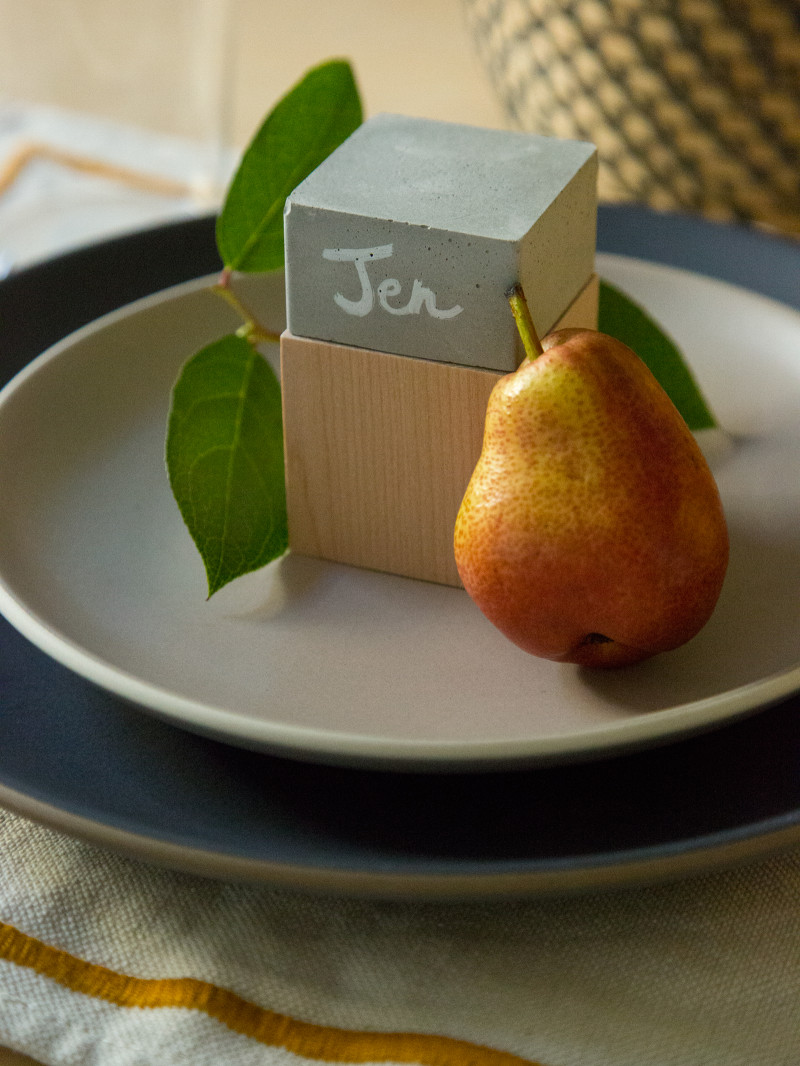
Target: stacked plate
x,y
328,727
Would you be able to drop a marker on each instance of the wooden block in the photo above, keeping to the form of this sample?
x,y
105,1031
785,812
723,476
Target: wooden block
x,y
380,449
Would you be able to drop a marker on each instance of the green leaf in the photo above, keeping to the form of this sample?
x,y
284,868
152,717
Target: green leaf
x,y
624,319
305,126
225,459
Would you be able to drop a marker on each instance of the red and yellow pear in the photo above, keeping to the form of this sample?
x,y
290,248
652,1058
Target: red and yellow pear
x,y
592,529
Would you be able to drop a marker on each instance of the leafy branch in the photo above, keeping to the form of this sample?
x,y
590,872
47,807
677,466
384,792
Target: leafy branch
x,y
224,448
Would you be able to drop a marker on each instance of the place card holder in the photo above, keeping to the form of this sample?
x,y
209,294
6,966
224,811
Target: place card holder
x,y
398,258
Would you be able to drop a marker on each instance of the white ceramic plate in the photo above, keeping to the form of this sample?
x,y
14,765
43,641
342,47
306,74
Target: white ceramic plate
x,y
336,664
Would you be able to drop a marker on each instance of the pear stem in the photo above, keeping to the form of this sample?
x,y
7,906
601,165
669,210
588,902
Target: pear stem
x,y
522,316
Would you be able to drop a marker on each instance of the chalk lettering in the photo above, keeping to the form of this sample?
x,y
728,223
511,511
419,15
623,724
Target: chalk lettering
x,y
421,295
359,256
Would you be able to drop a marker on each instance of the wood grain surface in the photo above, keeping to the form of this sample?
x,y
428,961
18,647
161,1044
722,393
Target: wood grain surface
x,y
380,449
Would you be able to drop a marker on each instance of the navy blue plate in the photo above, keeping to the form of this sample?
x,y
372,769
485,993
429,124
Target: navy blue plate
x,y
79,759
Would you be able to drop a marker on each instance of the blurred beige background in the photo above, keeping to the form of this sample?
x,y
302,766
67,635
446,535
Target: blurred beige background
x,y
415,57
412,56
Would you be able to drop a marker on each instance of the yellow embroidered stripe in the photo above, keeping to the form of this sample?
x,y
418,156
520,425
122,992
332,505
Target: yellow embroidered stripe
x,y
319,1042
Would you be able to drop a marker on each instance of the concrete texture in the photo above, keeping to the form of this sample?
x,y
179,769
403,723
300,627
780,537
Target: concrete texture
x,y
406,238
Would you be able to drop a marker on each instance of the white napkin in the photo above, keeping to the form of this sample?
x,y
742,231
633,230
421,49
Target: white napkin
x,y
105,960
67,179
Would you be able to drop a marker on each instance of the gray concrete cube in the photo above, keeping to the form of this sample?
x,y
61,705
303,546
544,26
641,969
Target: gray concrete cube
x,y
407,237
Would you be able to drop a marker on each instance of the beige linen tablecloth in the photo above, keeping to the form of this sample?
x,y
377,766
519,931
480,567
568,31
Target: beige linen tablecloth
x,y
107,960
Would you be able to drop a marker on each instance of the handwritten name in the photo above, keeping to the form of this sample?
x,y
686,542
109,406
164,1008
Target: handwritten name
x,y
389,288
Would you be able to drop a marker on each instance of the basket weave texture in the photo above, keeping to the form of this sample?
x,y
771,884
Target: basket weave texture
x,y
693,104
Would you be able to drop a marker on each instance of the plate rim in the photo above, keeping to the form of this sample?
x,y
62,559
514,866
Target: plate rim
x,y
311,744
614,870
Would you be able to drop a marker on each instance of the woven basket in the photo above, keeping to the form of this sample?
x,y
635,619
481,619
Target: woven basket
x,y
694,104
